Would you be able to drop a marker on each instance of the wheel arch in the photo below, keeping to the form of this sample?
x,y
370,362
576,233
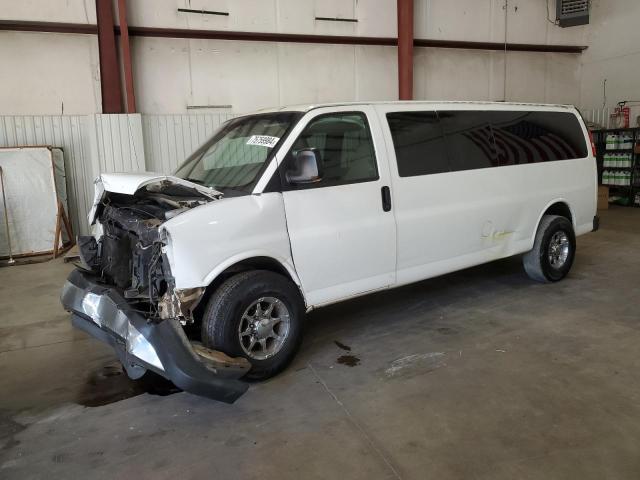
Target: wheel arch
x,y
558,207
242,263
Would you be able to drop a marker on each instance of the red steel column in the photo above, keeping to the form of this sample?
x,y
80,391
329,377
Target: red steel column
x,y
405,49
109,68
125,48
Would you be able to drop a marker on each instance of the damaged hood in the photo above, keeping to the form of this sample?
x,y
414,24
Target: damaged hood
x,y
130,183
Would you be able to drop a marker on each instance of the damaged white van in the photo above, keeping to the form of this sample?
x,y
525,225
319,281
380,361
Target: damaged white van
x,y
205,276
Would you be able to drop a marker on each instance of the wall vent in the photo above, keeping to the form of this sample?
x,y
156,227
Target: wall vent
x,y
570,13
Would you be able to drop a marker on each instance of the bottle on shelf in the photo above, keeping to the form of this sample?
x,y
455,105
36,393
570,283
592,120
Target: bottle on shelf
x,y
611,141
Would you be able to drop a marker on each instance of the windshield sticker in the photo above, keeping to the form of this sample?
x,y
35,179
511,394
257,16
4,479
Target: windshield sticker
x,y
263,140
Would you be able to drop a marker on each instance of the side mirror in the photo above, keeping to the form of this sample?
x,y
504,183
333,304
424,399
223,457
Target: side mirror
x,y
305,167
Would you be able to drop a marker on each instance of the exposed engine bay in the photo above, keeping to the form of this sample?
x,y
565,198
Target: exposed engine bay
x,y
127,249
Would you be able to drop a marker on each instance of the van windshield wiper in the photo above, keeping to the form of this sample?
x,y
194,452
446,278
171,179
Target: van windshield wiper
x,y
196,180
201,183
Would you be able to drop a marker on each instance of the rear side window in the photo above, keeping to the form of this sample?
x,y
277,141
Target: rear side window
x,y
532,137
469,140
436,142
418,142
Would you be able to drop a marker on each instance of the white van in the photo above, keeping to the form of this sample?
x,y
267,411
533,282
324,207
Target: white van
x,y
205,276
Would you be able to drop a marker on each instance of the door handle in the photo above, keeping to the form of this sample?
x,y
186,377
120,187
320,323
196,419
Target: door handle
x,y
386,198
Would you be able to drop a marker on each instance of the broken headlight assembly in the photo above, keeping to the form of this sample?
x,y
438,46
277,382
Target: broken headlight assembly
x,y
176,303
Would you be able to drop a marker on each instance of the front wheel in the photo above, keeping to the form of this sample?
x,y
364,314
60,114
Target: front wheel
x,y
258,315
553,250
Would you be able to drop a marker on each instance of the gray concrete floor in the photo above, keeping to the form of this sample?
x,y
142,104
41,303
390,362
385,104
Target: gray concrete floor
x,y
481,374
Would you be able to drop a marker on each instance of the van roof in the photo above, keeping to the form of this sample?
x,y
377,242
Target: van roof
x,y
308,107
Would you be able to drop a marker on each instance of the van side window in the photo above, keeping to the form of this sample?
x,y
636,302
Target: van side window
x,y
469,138
345,147
418,143
531,137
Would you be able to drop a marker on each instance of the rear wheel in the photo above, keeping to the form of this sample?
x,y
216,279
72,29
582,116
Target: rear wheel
x,y
553,250
257,315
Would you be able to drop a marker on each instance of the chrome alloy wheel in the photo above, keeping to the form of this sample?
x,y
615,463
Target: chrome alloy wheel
x,y
559,249
264,327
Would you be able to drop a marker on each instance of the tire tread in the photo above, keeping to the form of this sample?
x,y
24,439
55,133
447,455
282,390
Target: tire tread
x,y
217,327
533,259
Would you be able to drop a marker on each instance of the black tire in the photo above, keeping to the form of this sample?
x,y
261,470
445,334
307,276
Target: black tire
x,y
222,317
537,263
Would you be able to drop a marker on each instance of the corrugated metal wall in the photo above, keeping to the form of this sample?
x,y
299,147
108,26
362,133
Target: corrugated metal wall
x,y
169,139
66,132
116,143
91,143
95,144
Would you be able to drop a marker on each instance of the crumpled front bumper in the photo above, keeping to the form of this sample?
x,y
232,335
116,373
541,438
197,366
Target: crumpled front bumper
x,y
161,347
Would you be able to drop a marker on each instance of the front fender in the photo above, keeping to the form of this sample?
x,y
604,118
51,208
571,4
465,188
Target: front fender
x,y
229,262
204,241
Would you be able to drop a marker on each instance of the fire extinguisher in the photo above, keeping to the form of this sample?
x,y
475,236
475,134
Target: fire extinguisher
x,y
626,111
621,115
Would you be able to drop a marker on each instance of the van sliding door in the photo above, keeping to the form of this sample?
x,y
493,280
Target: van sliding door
x,y
450,204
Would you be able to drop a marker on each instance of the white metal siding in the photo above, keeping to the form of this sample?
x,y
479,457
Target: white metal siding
x,y
169,139
116,143
94,144
91,143
59,131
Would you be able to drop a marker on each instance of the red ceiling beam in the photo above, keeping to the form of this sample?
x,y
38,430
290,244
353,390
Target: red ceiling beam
x,y
160,32
512,47
109,68
48,27
54,27
405,49
125,48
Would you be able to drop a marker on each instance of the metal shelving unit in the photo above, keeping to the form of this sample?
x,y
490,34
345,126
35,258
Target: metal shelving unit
x,y
630,192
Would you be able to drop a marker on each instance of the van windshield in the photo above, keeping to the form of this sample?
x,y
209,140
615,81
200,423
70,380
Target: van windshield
x,y
234,158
